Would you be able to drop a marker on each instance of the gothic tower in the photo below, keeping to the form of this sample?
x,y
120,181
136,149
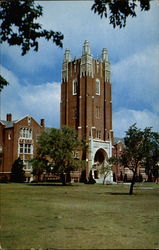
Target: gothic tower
x,y
86,103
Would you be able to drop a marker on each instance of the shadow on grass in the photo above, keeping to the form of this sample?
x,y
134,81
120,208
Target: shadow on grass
x,y
119,193
51,185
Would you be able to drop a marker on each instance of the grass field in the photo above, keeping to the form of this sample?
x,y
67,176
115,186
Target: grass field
x,y
79,216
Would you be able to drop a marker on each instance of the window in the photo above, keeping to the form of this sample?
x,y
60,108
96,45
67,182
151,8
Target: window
x,y
26,133
75,87
25,148
21,148
98,134
9,136
75,113
27,165
75,153
97,87
97,112
120,148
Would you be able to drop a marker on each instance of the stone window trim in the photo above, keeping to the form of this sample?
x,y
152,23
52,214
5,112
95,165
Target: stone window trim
x,y
97,86
26,133
25,148
74,87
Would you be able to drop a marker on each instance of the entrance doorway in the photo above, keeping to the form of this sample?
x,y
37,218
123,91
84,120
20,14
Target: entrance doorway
x,y
100,159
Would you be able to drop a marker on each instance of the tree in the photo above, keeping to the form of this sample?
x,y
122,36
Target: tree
x,y
138,150
40,165
17,172
152,160
19,25
119,10
3,83
105,170
59,146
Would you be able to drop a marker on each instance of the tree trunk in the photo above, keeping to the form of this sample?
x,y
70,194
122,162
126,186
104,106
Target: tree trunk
x,y
38,177
132,183
104,179
63,179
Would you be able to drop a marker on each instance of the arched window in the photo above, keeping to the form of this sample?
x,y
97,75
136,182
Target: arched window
x,y
75,87
97,87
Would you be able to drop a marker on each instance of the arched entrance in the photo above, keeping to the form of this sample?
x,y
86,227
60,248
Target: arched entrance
x,y
100,159
100,156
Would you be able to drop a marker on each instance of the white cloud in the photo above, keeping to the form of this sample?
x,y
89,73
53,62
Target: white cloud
x,y
8,75
40,101
77,22
135,80
124,118
133,51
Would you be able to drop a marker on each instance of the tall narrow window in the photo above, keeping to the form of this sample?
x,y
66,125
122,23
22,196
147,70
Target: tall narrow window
x,y
75,87
98,134
97,112
97,87
74,110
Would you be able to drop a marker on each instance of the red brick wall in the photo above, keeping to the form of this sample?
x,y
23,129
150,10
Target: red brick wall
x,y
86,101
1,146
10,141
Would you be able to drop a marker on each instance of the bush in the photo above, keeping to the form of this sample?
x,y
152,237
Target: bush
x,y
18,174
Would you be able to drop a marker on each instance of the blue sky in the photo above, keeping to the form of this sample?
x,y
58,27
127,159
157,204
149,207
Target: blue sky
x,y
133,52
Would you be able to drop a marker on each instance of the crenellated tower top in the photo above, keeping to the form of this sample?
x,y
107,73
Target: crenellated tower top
x,y
87,63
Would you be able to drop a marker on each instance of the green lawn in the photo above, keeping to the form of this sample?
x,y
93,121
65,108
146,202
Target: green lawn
x,y
79,216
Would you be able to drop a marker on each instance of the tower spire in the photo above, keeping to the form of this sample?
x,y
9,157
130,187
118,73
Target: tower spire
x,y
67,59
86,48
86,67
105,55
105,60
67,56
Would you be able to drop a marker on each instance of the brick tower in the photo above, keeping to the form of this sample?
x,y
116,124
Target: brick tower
x,y
86,103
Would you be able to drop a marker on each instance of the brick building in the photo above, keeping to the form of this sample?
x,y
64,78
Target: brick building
x,y
121,173
118,169
86,105
18,139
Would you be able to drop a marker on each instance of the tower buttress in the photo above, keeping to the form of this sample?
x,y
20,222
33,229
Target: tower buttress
x,y
86,67
106,65
67,59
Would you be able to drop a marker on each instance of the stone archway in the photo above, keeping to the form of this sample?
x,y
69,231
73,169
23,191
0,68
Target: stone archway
x,y
100,158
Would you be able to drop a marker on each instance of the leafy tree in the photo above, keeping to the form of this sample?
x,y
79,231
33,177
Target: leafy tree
x,y
119,10
39,166
19,25
17,172
152,160
3,83
59,146
138,150
105,170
